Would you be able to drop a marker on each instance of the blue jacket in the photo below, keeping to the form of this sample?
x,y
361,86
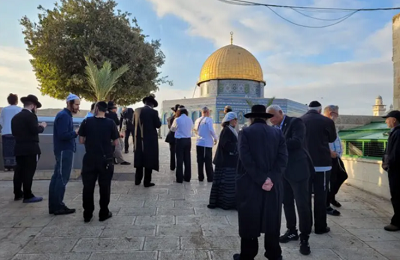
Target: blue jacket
x,y
63,132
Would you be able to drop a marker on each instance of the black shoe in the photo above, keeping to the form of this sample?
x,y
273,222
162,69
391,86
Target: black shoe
x,y
289,236
336,203
332,212
19,197
126,152
172,168
236,257
137,183
323,231
64,211
201,180
87,219
211,206
209,180
149,185
305,247
105,217
125,163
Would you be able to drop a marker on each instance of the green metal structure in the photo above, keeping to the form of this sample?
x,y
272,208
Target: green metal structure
x,y
368,141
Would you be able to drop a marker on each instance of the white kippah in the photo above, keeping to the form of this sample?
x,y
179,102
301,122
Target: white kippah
x,y
72,97
229,116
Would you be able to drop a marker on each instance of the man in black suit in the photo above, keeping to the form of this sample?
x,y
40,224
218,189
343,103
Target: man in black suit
x,y
170,139
296,178
320,131
146,122
26,129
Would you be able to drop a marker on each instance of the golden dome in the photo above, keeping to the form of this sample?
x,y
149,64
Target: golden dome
x,y
231,62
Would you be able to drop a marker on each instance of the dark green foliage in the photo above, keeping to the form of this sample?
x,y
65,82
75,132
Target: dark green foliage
x,y
74,29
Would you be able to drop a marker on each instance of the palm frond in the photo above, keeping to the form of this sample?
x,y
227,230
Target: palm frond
x,y
102,80
249,102
271,100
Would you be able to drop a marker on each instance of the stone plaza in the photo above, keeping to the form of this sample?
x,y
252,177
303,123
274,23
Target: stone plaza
x,y
172,221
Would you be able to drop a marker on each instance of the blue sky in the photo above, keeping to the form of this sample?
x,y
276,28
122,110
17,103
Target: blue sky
x,y
348,64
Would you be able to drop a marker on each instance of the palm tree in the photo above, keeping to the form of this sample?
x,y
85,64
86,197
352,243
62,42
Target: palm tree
x,y
102,80
250,103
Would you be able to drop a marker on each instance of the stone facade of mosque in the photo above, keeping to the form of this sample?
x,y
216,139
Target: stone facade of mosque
x,y
230,76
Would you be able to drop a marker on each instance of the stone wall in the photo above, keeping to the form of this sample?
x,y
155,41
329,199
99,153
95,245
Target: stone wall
x,y
396,61
350,121
367,175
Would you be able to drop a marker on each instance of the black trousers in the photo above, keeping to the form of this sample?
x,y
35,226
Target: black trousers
x,y
23,175
183,146
139,175
172,154
394,185
95,169
204,157
128,133
320,185
338,176
299,192
249,247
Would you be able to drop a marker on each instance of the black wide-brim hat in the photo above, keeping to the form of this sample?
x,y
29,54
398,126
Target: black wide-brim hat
x,y
33,99
175,108
111,105
258,111
151,99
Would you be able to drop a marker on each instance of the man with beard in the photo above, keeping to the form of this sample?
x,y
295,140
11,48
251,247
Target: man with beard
x,y
64,136
146,122
262,162
26,129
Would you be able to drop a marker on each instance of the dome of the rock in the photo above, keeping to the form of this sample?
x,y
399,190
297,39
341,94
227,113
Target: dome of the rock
x,y
231,62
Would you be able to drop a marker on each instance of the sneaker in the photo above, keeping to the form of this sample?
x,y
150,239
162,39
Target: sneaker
x,y
323,231
33,200
305,247
289,236
332,212
392,228
64,211
147,185
336,203
105,217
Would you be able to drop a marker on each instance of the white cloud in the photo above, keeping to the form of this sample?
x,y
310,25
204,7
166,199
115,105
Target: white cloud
x,y
294,58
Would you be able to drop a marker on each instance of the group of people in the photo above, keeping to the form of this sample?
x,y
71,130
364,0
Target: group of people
x,y
256,170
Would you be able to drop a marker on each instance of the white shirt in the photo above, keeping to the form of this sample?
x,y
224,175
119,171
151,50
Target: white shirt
x,y
205,132
182,126
5,119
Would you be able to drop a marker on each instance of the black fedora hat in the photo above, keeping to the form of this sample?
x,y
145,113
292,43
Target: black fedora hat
x,y
258,111
111,105
33,99
151,99
175,108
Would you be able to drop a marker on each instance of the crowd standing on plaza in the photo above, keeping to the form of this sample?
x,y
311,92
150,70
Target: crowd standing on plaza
x,y
257,169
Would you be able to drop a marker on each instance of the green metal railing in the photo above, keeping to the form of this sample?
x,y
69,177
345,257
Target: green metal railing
x,y
370,149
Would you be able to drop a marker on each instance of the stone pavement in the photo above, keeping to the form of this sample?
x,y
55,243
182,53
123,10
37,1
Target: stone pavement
x,y
171,221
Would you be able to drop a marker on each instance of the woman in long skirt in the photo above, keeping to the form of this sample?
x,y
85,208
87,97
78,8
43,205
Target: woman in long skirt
x,y
8,140
223,193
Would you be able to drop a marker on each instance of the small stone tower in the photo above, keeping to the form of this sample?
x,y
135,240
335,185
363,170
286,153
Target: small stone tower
x,y
396,61
379,109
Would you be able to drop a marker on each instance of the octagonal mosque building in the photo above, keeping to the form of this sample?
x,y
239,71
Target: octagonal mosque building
x,y
230,76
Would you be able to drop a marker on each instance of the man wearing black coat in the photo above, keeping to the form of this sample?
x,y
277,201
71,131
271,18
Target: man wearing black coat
x,y
296,178
262,161
391,164
127,120
146,123
170,139
320,131
26,129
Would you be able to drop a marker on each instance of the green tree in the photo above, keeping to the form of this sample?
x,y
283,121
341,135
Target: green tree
x,y
73,29
102,81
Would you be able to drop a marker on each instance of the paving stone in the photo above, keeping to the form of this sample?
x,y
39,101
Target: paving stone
x,y
175,211
138,255
72,231
370,235
121,231
185,255
42,245
388,249
138,211
154,220
208,243
63,256
109,244
215,229
359,253
39,221
179,230
200,220
161,243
